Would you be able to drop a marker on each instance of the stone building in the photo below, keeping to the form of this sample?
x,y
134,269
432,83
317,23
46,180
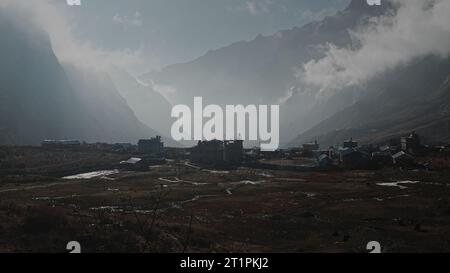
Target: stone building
x,y
216,152
153,146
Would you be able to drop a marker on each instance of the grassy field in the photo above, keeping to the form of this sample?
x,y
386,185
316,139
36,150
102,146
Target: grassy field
x,y
176,208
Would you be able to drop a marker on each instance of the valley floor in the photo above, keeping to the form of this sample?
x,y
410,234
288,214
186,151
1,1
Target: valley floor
x,y
176,208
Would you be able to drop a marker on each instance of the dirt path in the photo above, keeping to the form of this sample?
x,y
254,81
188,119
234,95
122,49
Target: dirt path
x,y
41,186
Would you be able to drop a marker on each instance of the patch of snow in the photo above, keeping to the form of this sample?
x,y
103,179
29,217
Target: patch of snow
x,y
91,175
398,184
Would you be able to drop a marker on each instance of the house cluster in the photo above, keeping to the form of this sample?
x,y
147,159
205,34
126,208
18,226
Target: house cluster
x,y
231,153
218,153
146,153
150,152
153,146
76,144
352,155
60,143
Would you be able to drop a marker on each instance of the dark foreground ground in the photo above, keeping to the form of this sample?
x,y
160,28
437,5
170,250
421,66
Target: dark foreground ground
x,y
176,208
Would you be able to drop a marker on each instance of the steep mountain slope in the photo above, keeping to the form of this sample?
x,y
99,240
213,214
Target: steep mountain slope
x,y
109,118
414,97
263,71
246,71
39,99
149,106
35,93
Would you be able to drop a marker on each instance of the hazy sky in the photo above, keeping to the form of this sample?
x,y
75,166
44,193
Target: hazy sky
x,y
170,31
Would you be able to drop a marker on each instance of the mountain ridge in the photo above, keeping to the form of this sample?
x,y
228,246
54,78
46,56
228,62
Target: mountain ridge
x,y
44,99
264,70
414,98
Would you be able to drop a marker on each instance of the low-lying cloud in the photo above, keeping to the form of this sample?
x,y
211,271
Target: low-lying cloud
x,y
47,15
419,28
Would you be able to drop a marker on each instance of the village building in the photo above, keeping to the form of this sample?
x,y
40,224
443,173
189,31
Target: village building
x,y
252,154
123,147
330,152
177,153
216,152
351,158
324,161
153,146
308,149
60,143
133,164
403,159
350,144
382,158
312,146
411,144
268,155
233,152
141,164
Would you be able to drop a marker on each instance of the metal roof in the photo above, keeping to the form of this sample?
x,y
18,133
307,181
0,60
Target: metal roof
x,y
132,160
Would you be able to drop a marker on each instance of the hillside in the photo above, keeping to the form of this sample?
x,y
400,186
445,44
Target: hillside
x,y
263,70
40,99
414,97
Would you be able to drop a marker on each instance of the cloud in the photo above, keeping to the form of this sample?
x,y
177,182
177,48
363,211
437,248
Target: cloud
x,y
256,7
419,28
135,20
45,14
